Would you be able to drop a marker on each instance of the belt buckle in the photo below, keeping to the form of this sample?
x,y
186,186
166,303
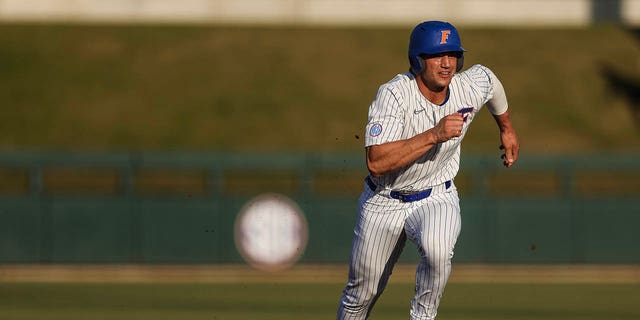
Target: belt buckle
x,y
415,195
403,195
412,195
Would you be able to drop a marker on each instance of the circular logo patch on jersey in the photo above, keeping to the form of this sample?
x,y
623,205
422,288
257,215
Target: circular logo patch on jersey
x,y
375,130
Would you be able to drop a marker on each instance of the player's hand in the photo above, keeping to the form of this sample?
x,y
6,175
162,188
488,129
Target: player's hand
x,y
448,127
510,146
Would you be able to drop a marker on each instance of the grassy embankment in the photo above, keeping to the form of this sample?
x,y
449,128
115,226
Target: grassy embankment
x,y
205,88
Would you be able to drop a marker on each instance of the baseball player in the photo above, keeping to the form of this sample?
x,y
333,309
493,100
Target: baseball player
x,y
415,127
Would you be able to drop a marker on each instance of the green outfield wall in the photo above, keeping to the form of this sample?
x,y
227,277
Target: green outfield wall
x,y
181,208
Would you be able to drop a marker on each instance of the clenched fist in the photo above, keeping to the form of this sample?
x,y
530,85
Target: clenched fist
x,y
448,127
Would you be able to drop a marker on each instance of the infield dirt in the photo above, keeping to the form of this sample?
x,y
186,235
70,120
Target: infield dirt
x,y
464,273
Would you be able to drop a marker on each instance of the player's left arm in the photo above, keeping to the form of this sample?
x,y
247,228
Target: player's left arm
x,y
498,107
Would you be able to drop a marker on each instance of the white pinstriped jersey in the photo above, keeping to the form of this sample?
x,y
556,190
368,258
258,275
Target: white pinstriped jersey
x,y
400,112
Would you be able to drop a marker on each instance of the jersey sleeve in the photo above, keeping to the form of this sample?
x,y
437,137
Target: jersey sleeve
x,y
489,84
386,117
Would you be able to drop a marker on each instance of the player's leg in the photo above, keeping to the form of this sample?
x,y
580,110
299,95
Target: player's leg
x,y
377,243
434,227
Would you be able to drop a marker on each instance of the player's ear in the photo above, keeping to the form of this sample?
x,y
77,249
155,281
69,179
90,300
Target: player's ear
x,y
421,59
460,62
417,64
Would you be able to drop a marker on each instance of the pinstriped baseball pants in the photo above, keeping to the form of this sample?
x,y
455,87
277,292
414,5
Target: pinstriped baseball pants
x,y
433,224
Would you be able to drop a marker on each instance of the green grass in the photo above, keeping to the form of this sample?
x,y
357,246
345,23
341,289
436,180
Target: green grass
x,y
224,88
282,301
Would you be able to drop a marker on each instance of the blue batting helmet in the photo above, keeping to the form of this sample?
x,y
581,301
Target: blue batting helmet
x,y
432,37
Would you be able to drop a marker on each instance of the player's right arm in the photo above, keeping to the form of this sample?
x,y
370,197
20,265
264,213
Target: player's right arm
x,y
394,155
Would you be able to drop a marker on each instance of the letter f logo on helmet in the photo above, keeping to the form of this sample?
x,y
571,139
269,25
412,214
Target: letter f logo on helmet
x,y
444,36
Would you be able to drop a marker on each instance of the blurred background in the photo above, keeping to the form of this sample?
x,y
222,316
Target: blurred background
x,y
133,132
202,159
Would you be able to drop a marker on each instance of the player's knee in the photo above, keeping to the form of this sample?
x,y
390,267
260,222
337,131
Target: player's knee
x,y
439,258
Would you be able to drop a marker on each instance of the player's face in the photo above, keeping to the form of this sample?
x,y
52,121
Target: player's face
x,y
439,69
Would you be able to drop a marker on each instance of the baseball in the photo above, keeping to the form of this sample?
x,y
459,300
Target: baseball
x,y
271,232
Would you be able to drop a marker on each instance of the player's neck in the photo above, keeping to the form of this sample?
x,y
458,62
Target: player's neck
x,y
435,95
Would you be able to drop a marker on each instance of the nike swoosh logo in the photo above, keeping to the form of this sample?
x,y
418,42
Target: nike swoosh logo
x,y
416,111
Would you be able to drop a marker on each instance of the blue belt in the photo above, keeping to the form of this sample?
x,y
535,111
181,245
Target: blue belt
x,y
406,196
